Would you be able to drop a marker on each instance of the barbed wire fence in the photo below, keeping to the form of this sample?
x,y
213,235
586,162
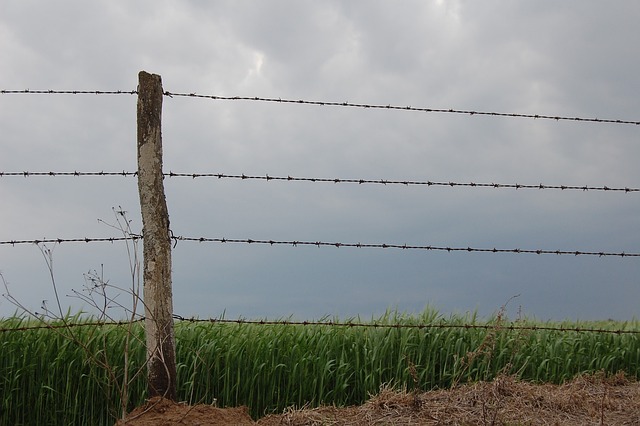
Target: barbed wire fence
x,y
359,181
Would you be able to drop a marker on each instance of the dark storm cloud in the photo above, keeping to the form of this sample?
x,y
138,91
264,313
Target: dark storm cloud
x,y
542,57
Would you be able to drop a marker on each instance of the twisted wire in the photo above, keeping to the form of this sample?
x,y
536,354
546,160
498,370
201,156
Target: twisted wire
x,y
346,324
405,247
350,324
335,180
296,243
332,103
70,240
401,108
70,92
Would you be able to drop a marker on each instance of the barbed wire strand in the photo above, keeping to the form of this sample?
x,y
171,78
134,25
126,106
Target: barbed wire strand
x,y
332,103
401,108
69,325
404,247
70,240
347,324
510,327
69,92
334,180
296,243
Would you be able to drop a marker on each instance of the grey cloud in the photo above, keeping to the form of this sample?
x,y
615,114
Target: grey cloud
x,y
495,56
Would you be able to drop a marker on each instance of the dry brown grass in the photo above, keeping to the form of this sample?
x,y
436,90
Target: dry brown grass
x,y
586,400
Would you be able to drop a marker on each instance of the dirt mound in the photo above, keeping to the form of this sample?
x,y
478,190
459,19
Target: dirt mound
x,y
585,400
162,412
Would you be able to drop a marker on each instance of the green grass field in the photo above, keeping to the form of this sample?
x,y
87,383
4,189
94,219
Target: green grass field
x,y
59,376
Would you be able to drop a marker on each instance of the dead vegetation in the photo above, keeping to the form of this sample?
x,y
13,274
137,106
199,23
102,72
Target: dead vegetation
x,y
586,400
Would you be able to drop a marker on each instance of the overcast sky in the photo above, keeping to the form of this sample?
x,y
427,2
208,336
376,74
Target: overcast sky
x,y
573,58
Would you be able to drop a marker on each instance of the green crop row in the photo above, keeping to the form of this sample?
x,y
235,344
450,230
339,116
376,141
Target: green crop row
x,y
76,376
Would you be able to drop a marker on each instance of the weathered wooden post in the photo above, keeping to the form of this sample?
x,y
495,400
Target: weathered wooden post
x,y
158,298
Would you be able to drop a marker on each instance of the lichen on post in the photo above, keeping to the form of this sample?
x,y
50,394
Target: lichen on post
x,y
158,297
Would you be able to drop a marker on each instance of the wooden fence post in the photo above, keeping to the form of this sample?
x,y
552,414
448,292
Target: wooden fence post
x,y
158,298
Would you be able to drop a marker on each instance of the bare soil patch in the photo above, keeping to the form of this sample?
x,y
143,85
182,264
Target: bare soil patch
x,y
586,400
